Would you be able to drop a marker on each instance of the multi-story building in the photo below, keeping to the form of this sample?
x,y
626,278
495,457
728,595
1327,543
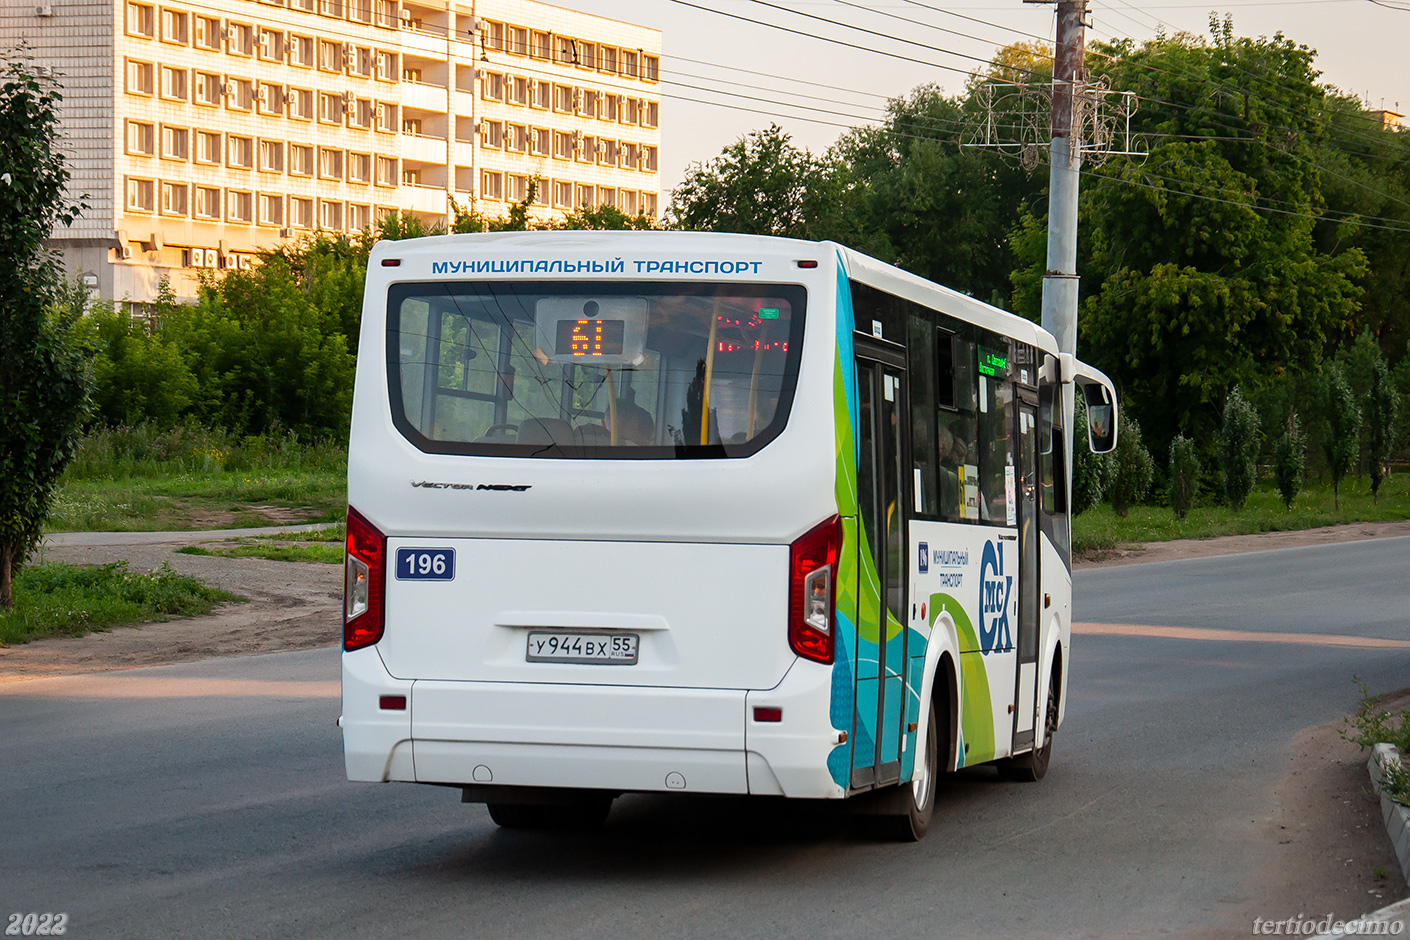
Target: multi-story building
x,y
203,130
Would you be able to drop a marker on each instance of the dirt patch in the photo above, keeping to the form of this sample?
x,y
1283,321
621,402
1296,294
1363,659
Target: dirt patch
x,y
1178,549
205,517
1326,838
291,606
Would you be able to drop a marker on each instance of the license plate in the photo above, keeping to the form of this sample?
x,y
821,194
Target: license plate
x,y
606,649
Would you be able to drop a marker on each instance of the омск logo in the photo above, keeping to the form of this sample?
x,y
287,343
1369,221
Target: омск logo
x,y
994,590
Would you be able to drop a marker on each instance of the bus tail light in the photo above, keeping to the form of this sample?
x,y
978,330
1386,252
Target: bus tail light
x,y
812,590
365,576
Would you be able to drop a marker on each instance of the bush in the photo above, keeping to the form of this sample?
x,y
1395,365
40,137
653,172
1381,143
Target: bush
x,y
1091,473
1184,475
1290,460
1133,467
1238,448
1382,414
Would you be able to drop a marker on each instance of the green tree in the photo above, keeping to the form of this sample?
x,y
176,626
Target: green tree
x,y
1134,470
1382,414
1238,448
1290,460
760,185
44,360
1341,435
138,373
1183,475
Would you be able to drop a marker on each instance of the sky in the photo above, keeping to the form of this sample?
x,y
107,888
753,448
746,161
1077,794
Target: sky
x,y
1361,48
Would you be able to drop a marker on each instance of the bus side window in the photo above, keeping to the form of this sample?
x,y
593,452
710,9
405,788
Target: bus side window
x,y
1052,468
997,455
920,356
957,441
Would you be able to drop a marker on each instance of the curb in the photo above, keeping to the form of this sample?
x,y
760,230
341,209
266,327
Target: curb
x,y
57,539
1392,920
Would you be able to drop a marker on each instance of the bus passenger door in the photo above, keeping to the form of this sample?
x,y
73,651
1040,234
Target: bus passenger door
x,y
1026,693
879,715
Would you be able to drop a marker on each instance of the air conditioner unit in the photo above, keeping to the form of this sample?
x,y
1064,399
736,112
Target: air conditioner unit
x,y
243,261
126,251
228,89
44,9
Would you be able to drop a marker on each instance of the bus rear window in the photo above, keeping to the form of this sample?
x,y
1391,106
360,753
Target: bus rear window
x,y
592,369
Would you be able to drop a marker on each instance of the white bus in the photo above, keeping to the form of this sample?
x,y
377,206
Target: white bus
x,y
700,513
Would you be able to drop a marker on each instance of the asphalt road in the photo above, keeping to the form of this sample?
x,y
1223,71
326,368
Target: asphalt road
x,y
206,800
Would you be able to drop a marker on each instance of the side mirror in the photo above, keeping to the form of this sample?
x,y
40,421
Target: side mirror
x,y
1101,418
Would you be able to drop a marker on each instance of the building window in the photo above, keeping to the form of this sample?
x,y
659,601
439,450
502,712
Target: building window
x,y
492,36
588,152
411,176
174,25
207,202
516,187
562,145
606,196
540,46
360,114
631,156
207,89
271,99
330,215
175,143
305,5
331,8
516,138
631,114
492,86
301,51
591,100
386,171
516,89
271,45
330,163
650,68
208,33
386,117
652,117
301,104
607,59
240,39
141,20
174,198
362,62
387,13
300,160
141,195
300,212
271,209
386,66
610,108
649,164
648,204
518,39
174,83
587,55
627,201
411,127
271,156
629,63
491,184
330,107
240,94
563,98
565,50
240,152
539,138
359,217
140,78
239,206
359,167
141,138
360,11
586,194
207,147
492,135
330,56
411,74
562,194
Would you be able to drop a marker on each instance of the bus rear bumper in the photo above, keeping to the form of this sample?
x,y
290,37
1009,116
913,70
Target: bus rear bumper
x,y
618,738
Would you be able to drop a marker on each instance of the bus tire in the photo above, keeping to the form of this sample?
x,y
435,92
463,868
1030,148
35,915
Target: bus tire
x,y
918,796
1033,766
588,812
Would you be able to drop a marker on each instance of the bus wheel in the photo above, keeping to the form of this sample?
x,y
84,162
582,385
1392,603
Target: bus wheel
x,y
588,812
919,794
1033,766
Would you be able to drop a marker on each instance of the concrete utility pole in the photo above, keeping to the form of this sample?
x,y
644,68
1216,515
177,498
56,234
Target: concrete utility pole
x,y
1060,279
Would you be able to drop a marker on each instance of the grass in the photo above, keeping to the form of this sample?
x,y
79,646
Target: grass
x,y
140,479
57,599
1373,724
322,546
1102,529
